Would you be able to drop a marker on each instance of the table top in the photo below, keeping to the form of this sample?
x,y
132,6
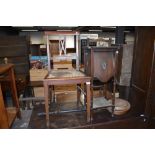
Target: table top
x,y
5,67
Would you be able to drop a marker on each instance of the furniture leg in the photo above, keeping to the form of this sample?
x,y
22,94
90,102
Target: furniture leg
x,y
88,100
78,94
46,104
14,91
3,118
113,97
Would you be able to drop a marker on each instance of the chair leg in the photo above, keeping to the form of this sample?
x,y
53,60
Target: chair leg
x,y
113,97
32,94
78,95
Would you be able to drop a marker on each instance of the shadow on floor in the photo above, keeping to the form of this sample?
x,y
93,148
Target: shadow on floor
x,y
101,120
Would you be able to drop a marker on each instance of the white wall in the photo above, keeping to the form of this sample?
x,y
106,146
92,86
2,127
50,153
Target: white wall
x,y
69,40
39,38
35,37
129,38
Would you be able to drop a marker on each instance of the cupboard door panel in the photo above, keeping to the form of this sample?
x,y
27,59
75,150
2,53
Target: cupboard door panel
x,y
137,100
142,71
143,53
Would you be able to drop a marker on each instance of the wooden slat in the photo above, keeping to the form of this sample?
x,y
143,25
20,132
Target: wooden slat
x,y
12,40
12,51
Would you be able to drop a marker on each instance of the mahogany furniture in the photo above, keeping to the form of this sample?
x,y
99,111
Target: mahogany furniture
x,y
8,114
143,73
101,64
63,77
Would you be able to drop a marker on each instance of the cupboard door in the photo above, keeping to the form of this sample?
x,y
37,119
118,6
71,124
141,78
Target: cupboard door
x,y
142,65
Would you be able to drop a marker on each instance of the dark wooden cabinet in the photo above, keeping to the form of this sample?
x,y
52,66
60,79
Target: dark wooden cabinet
x,y
143,72
99,62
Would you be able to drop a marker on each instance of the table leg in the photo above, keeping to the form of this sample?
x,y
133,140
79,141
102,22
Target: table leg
x,y
46,104
78,95
88,100
14,91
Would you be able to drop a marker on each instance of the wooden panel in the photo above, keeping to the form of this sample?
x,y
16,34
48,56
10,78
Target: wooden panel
x,y
9,51
54,47
150,102
87,62
62,66
142,75
138,98
153,76
104,65
16,49
8,114
12,40
3,113
143,53
151,110
99,62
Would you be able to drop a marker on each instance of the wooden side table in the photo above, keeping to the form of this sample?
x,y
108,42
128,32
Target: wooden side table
x,y
63,77
8,114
